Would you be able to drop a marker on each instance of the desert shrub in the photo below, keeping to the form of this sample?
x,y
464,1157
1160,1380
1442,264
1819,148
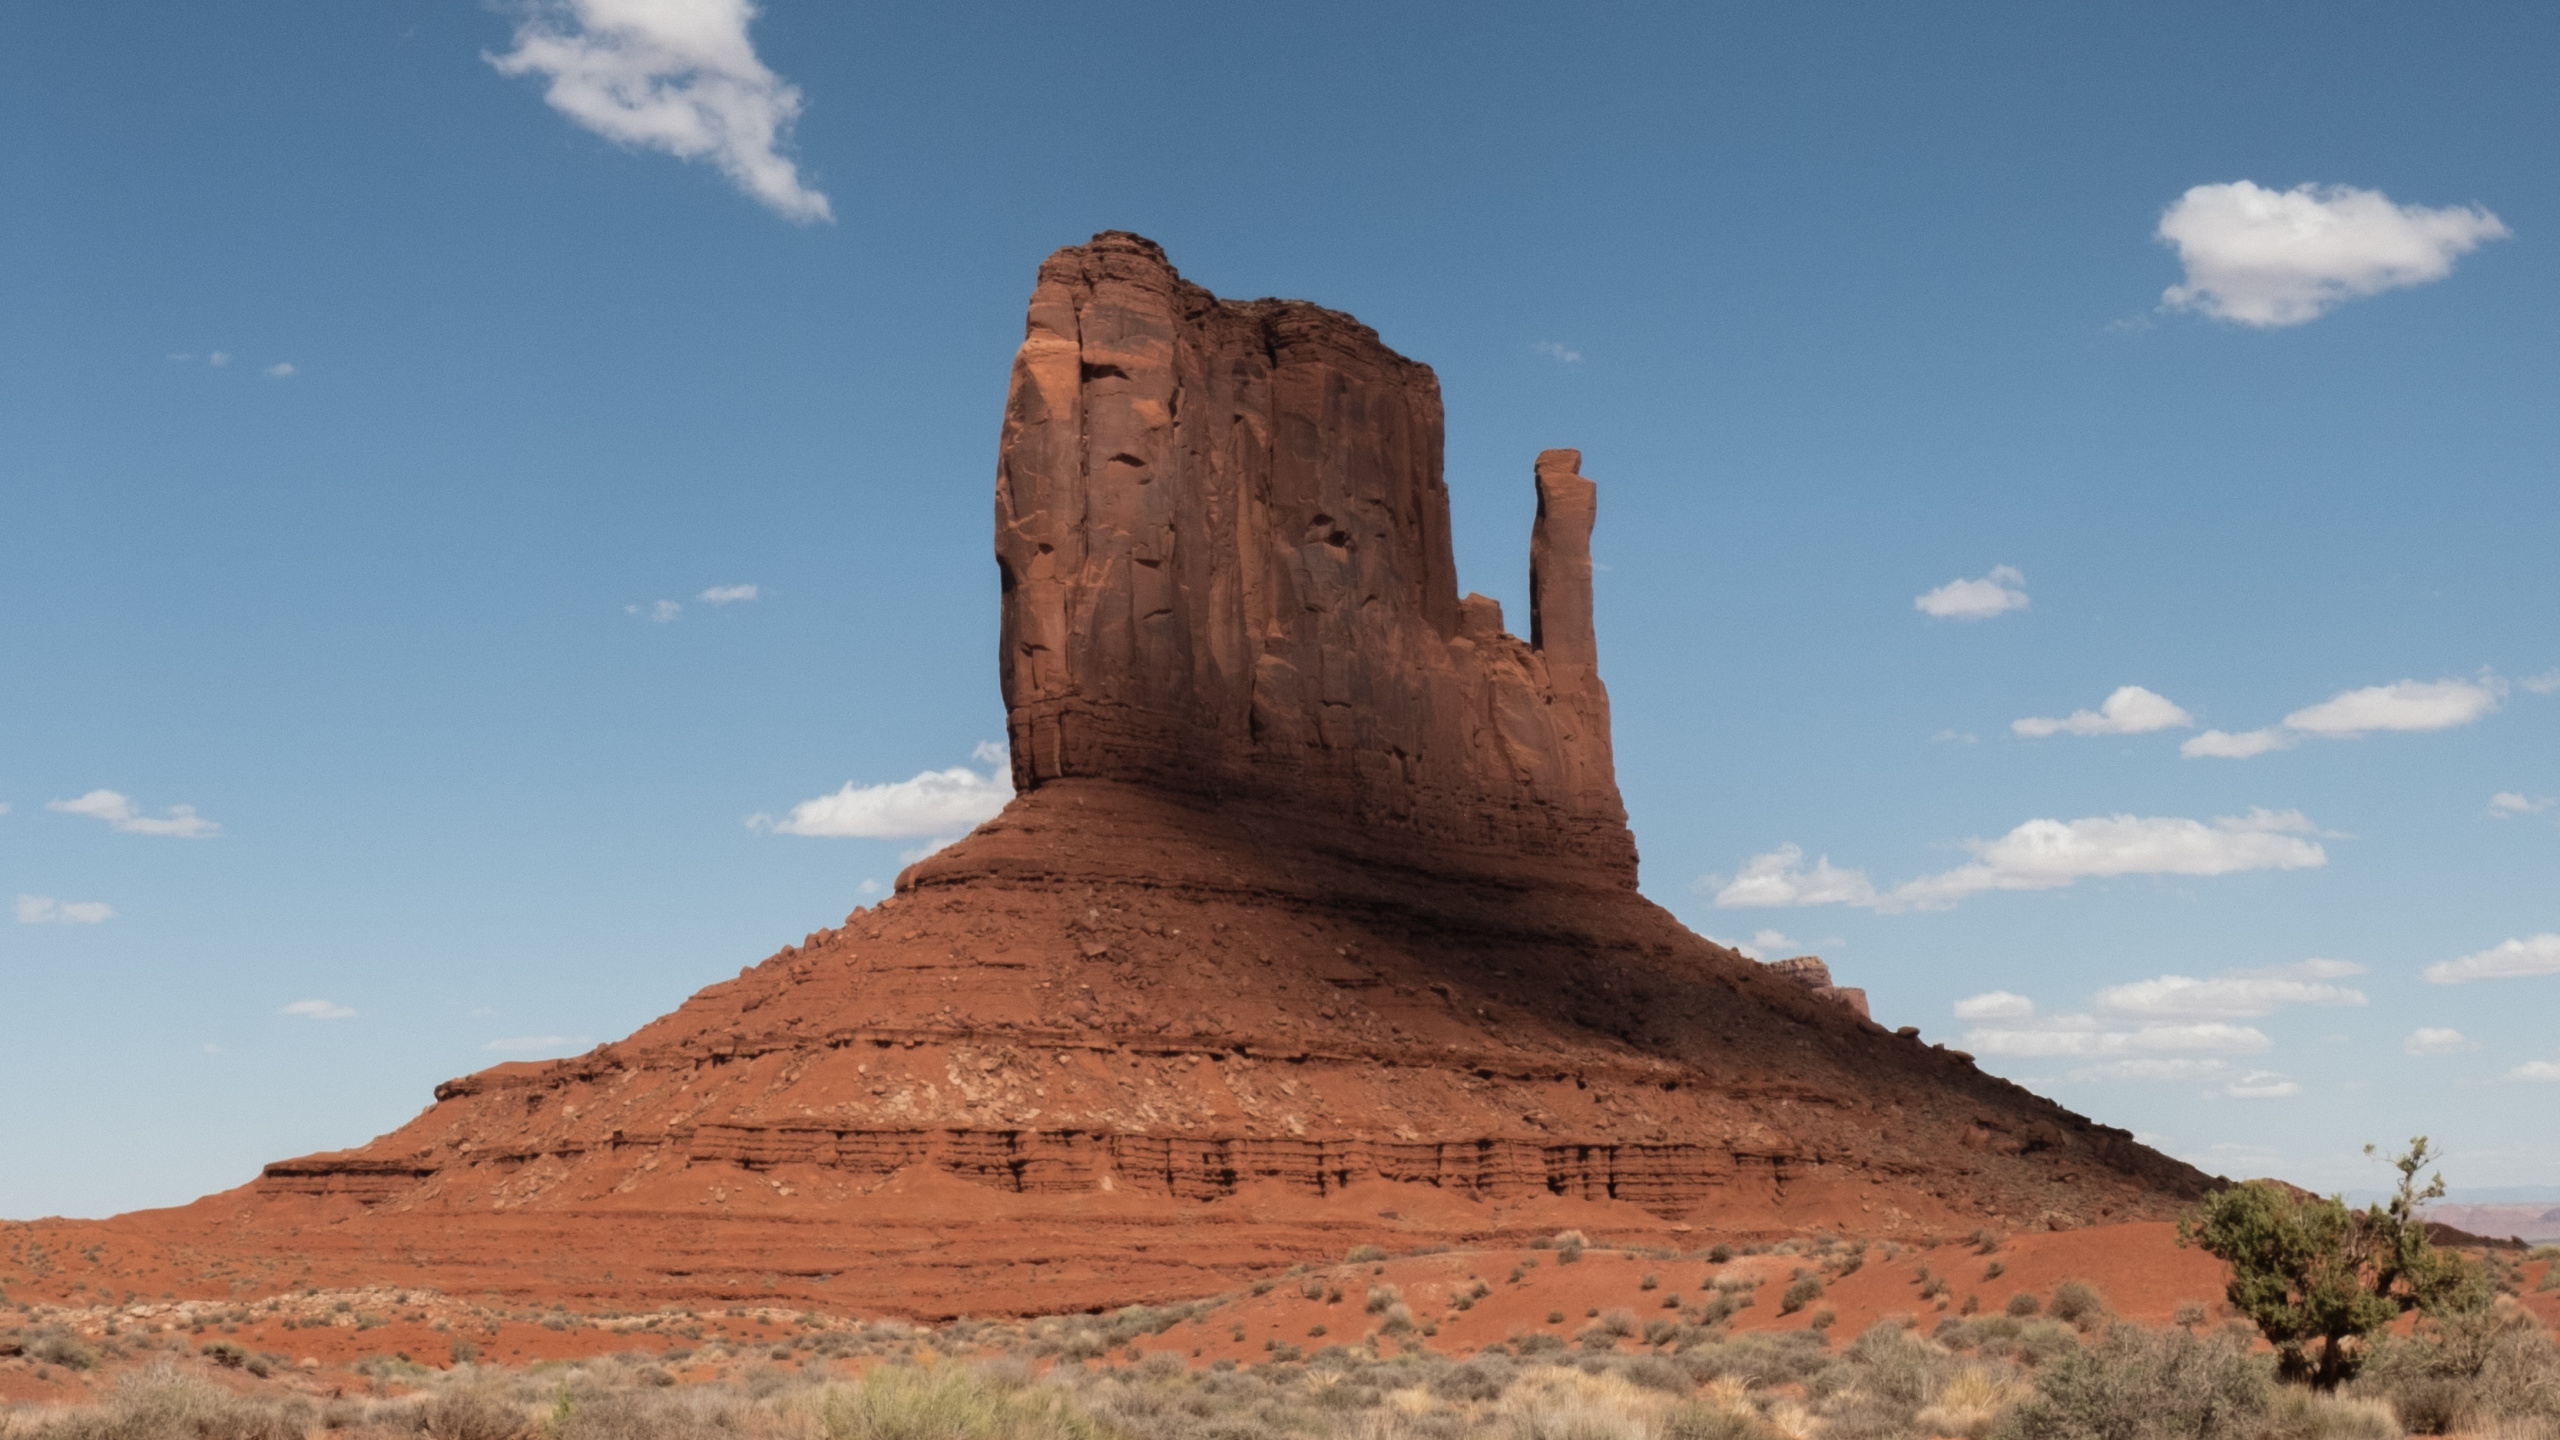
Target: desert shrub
x,y
162,1402
1760,1361
1363,1254
1804,1291
61,1347
897,1402
1984,1241
2022,1305
2310,1415
1714,1422
2319,1279
2145,1385
1569,1246
2458,1370
1970,1399
2076,1302
1483,1378
1380,1297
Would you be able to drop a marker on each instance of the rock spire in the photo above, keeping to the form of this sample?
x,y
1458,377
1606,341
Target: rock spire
x,y
1224,541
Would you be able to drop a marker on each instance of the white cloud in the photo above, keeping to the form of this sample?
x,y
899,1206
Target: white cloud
x,y
2000,591
45,910
2261,1085
1995,1005
2233,995
1765,945
182,821
1779,878
678,76
2401,705
1561,354
2223,745
664,611
2046,854
2131,710
937,803
2538,955
2507,803
869,888
1954,737
727,594
2542,684
280,369
2154,1069
2536,1070
989,752
2038,855
2282,257
318,1010
2084,1036
217,359
2434,1040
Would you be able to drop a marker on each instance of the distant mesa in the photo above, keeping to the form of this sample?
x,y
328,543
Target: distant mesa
x,y
1313,922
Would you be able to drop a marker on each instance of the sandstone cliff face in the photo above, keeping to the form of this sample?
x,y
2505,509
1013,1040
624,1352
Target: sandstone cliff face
x,y
1224,541
1313,924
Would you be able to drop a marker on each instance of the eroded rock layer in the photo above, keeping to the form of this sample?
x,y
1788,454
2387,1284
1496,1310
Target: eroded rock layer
x,y
1313,923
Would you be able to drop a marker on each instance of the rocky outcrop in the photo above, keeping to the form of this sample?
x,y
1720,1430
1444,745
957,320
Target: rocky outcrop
x,y
1809,972
1313,921
1224,542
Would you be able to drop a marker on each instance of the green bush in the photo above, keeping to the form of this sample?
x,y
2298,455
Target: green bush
x,y
1805,1290
2319,1279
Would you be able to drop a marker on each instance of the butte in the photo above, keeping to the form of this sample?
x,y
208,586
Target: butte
x,y
1313,922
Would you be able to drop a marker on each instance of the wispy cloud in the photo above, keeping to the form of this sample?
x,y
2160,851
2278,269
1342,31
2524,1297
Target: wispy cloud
x,y
2542,684
45,910
942,804
727,594
2039,855
217,359
1778,878
2434,1040
2131,710
181,822
1561,354
2536,1070
279,370
2507,804
2403,705
2270,258
660,613
677,76
318,1010
1999,592
2262,1085
2533,955
2047,854
2234,994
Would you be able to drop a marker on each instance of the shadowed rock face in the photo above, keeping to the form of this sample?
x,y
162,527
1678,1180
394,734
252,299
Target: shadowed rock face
x,y
1313,923
1224,541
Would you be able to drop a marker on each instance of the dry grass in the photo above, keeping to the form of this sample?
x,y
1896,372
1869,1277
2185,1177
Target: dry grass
x,y
1078,1378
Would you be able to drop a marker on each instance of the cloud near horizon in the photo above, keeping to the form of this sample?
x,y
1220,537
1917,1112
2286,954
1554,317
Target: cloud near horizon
x,y
2535,955
2039,855
182,822
2131,710
2402,705
2272,258
676,76
45,910
318,1010
1999,592
940,804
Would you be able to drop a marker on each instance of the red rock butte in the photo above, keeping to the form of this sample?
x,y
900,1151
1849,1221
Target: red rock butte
x,y
1313,922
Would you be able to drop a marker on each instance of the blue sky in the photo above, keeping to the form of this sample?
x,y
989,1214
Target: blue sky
x,y
531,324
